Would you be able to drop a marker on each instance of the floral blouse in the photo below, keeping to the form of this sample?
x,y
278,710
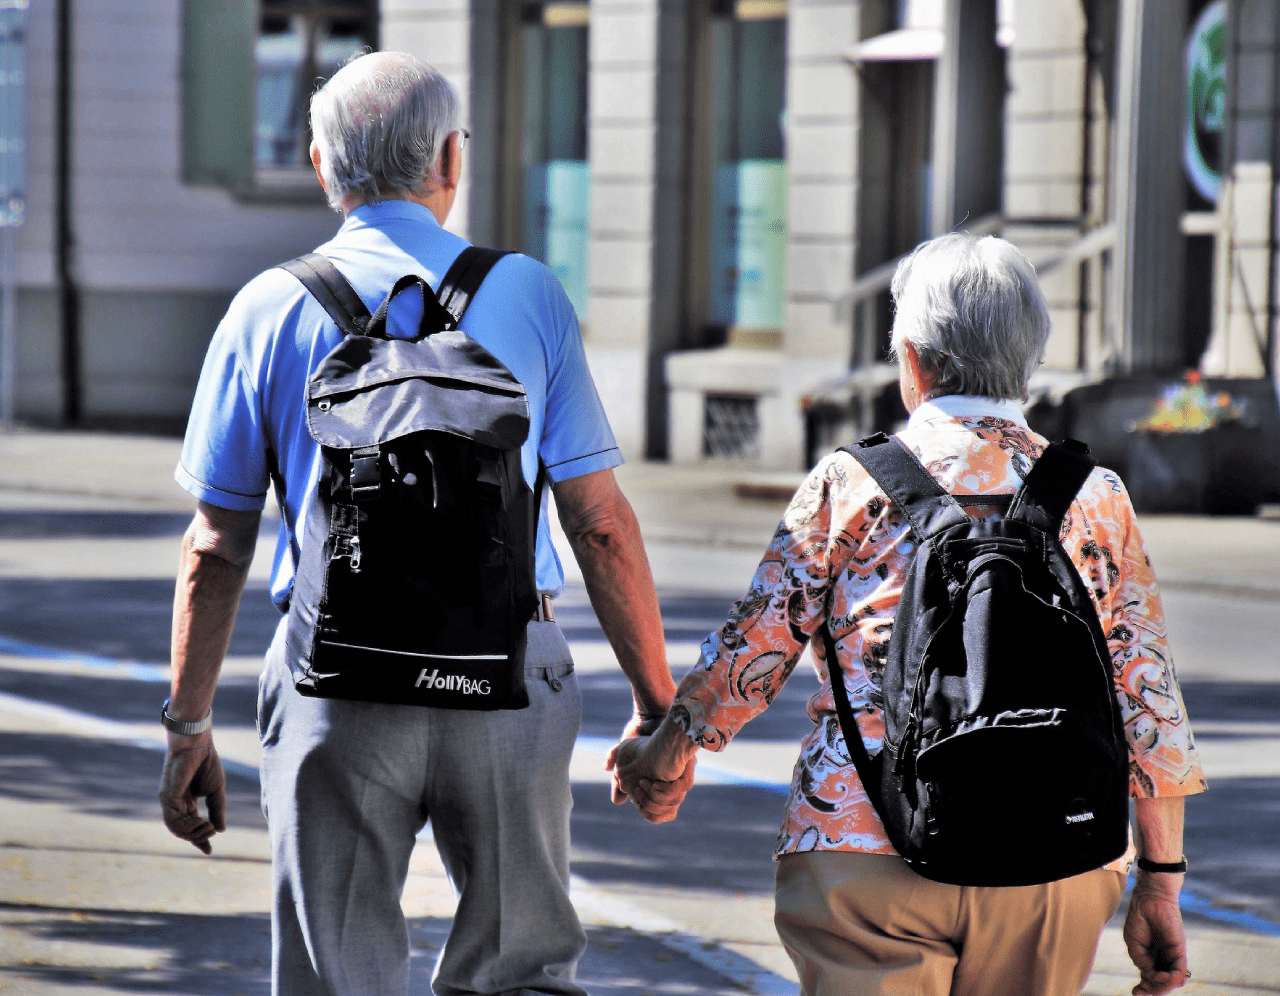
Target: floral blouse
x,y
841,542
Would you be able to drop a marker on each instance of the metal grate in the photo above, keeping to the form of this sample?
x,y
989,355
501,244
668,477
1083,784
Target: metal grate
x,y
730,427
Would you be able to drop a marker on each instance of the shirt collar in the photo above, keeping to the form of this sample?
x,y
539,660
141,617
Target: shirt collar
x,y
380,212
966,406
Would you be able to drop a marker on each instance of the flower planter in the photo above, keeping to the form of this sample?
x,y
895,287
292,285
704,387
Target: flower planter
x,y
1210,472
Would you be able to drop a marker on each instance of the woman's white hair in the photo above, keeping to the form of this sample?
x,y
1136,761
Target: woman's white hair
x,y
380,123
972,308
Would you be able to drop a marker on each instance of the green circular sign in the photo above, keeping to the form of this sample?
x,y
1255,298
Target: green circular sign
x,y
1206,100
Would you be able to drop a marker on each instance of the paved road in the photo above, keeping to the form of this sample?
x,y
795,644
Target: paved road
x,y
96,898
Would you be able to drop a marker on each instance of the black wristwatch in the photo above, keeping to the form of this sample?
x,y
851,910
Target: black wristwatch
x,y
178,726
1169,867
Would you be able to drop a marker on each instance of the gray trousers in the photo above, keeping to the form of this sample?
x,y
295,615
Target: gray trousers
x,y
346,786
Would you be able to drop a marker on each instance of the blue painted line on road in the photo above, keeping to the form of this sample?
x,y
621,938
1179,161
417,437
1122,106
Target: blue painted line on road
x,y
130,669
1191,901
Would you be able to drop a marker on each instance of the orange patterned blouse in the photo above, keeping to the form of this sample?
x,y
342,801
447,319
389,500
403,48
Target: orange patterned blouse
x,y
841,537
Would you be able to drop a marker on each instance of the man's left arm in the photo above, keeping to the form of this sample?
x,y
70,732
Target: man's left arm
x,y
605,536
217,550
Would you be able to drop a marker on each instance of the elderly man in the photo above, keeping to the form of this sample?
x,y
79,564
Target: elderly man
x,y
970,328
346,785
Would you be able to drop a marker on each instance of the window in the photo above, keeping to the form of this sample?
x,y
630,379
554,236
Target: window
x,y
249,69
300,42
730,427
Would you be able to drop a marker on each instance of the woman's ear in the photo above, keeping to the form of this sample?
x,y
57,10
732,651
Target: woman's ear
x,y
315,163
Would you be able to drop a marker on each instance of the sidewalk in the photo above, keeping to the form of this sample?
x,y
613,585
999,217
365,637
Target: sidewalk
x,y
638,944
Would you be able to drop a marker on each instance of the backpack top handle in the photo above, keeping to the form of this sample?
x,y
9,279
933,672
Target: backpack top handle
x,y
442,311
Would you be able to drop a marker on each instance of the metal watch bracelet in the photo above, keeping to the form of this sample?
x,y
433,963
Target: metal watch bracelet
x,y
178,726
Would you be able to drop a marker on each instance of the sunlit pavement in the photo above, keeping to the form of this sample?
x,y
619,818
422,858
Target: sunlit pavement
x,y
95,897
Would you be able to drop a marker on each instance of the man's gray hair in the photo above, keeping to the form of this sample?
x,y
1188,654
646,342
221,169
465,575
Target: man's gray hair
x,y
972,308
380,123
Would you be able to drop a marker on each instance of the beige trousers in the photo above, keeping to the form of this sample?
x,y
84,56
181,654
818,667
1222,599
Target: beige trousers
x,y
858,924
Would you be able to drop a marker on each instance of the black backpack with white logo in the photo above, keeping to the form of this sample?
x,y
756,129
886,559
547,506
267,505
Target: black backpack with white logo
x,y
416,581
1004,759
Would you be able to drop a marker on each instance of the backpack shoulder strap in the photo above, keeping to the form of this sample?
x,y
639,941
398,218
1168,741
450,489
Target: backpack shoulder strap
x,y
909,486
1052,485
328,286
464,278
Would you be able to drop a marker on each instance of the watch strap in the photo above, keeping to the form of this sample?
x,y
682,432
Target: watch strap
x,y
1168,867
185,729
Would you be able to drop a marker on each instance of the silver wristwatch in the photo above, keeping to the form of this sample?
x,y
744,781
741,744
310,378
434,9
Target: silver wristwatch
x,y
186,729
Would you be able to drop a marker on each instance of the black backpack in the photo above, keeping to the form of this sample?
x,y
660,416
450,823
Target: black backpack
x,y
416,581
1004,759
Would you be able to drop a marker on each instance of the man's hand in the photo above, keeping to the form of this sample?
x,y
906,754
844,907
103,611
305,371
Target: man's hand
x,y
655,772
192,772
1154,936
641,776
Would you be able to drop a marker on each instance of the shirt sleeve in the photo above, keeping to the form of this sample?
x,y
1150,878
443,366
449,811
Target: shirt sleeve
x,y
576,436
744,664
224,452
1163,756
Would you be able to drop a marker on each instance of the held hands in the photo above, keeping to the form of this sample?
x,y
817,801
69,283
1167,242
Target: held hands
x,y
1154,935
653,771
192,772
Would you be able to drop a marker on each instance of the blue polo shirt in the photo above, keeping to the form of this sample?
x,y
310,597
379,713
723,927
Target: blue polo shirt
x,y
249,405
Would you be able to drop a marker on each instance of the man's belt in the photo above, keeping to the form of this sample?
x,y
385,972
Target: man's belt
x,y
544,612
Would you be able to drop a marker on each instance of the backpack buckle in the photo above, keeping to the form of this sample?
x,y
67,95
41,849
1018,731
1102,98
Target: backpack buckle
x,y
366,473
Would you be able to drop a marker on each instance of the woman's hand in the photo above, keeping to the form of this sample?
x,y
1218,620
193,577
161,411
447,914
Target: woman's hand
x,y
654,772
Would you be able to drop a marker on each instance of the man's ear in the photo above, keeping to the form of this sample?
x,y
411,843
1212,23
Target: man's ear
x,y
451,162
315,163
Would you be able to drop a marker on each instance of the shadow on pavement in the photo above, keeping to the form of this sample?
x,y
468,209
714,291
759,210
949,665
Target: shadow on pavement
x,y
743,823
139,952
122,618
44,524
125,701
231,955
102,778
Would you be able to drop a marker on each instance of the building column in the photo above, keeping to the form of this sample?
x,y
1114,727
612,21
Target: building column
x,y
967,116
822,169
1045,149
1149,188
622,148
1238,345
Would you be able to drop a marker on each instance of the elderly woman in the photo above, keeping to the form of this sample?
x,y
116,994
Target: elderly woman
x,y
970,328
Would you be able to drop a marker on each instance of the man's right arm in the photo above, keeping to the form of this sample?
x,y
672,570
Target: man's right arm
x,y
216,552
